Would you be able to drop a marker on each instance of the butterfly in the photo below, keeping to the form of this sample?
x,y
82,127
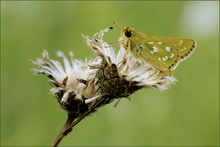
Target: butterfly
x,y
164,54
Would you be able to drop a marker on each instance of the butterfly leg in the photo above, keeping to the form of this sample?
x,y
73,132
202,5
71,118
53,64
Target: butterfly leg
x,y
160,74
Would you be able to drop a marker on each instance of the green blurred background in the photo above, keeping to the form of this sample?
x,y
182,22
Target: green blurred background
x,y
186,114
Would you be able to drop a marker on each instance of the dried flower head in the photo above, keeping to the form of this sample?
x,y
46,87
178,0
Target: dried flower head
x,y
82,87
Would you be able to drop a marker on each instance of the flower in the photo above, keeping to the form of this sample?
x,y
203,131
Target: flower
x,y
82,87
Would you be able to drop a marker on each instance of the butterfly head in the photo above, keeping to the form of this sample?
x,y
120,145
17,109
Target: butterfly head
x,y
127,32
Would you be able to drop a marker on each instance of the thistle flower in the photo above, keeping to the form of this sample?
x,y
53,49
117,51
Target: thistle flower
x,y
83,87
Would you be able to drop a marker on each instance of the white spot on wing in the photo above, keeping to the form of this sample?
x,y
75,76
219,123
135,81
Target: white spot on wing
x,y
150,42
155,49
167,48
171,55
152,52
180,42
159,59
160,42
164,59
183,49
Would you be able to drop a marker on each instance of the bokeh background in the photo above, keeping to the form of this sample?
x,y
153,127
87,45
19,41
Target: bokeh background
x,y
187,114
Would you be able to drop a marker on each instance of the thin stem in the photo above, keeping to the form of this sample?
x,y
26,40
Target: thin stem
x,y
64,131
69,125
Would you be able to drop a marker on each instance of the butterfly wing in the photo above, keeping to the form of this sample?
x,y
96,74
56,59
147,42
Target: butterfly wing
x,y
163,53
185,47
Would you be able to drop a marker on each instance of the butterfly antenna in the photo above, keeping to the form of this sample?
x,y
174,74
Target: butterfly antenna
x,y
114,22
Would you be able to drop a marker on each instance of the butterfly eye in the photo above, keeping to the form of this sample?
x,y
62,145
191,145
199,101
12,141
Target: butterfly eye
x,y
128,33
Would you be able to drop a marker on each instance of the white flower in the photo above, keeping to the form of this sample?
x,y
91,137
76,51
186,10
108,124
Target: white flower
x,y
82,87
110,75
